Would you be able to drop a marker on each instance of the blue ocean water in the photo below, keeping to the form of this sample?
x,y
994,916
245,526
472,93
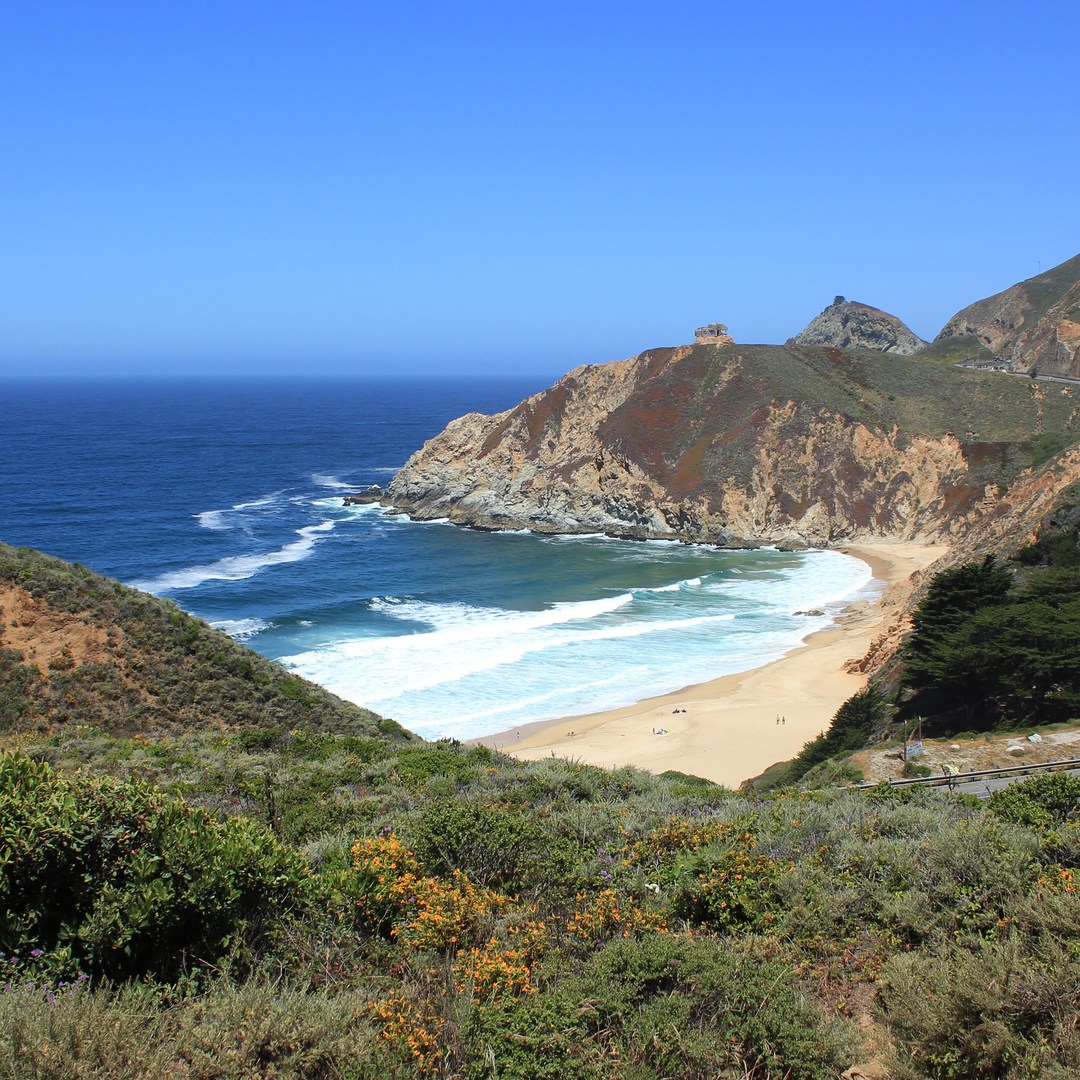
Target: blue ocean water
x,y
227,498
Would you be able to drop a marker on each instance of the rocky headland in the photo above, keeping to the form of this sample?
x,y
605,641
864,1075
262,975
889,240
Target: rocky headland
x,y
744,446
806,444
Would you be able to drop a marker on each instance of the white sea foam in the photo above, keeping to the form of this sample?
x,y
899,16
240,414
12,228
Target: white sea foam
x,y
331,482
212,519
573,538
265,500
465,641
219,520
475,622
466,670
819,579
236,567
242,629
356,508
675,586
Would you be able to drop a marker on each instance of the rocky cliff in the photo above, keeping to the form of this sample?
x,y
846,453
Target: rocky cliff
x,y
847,324
1033,326
745,445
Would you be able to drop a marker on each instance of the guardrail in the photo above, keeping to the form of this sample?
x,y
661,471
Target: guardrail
x,y
952,779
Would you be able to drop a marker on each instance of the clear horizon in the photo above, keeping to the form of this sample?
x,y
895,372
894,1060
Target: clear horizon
x,y
286,190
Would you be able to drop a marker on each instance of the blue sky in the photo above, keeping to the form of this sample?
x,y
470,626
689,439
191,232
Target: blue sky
x,y
466,188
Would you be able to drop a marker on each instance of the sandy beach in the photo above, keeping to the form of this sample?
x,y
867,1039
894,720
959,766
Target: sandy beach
x,y
726,730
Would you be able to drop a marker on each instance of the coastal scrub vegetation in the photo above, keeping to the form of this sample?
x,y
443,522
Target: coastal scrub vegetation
x,y
460,914
318,895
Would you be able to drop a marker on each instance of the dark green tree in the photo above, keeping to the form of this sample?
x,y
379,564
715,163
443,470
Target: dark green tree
x,y
940,654
1002,654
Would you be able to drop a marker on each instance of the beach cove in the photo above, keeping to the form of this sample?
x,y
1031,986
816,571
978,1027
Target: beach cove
x,y
726,730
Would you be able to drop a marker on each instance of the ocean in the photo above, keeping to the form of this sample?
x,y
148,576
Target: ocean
x,y
226,497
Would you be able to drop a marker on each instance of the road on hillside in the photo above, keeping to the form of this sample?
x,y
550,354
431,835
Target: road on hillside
x,y
985,787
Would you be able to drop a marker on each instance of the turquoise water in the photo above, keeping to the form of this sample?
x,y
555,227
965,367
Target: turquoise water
x,y
228,499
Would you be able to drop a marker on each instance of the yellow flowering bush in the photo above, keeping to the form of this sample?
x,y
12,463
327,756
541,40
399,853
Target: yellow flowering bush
x,y
1057,879
494,968
411,1029
680,834
730,888
418,910
608,915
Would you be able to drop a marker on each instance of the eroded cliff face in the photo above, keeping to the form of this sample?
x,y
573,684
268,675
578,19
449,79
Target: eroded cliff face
x,y
737,445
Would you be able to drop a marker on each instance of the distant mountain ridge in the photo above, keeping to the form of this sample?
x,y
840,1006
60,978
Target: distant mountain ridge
x,y
1033,326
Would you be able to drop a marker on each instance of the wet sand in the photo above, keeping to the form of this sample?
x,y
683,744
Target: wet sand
x,y
726,729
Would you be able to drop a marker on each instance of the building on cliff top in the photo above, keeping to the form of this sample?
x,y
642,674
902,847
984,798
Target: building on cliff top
x,y
713,334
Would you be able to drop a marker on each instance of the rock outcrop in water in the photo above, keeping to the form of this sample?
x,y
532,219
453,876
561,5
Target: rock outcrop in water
x,y
744,446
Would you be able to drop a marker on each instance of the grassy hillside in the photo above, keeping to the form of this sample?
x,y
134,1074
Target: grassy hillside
x,y
295,899
919,398
77,648
698,419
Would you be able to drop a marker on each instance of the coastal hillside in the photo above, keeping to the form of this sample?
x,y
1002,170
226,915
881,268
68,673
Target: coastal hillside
x,y
226,872
847,324
299,904
1033,326
747,445
80,649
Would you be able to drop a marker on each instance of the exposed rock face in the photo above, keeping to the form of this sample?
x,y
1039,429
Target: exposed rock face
x,y
1034,325
846,324
740,445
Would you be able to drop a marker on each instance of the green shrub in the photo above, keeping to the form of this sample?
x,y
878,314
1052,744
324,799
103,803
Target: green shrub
x,y
728,887
231,1032
416,765
497,847
912,769
1041,802
992,1012
666,1006
113,879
